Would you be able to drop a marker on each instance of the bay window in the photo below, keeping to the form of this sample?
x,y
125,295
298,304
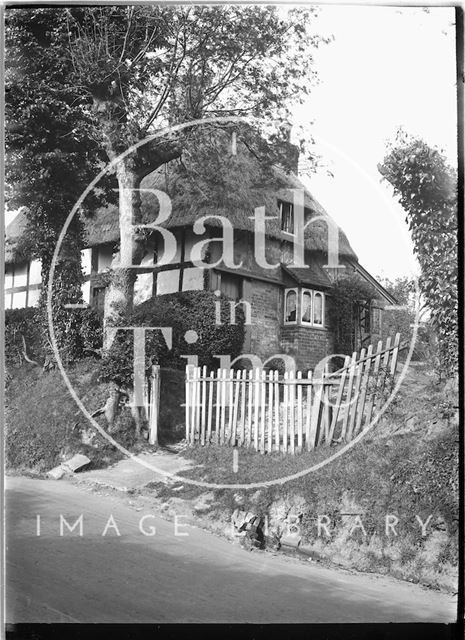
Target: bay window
x,y
306,312
318,308
290,306
305,307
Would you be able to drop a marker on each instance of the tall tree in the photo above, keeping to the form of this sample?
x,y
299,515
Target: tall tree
x,y
143,68
50,159
427,190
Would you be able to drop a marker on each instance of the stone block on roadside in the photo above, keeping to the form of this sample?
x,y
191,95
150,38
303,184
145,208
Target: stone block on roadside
x,y
76,462
57,473
291,540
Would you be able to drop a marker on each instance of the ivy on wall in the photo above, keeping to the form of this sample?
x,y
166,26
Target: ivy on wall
x,y
348,294
192,317
427,189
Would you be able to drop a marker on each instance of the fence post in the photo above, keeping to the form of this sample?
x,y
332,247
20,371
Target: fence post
x,y
203,406
263,410
356,391
277,402
256,407
382,375
292,388
187,406
217,406
249,409
210,407
340,393
270,411
243,392
347,407
309,410
285,407
365,381
155,402
299,412
372,398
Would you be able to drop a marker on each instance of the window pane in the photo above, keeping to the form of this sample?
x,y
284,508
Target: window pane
x,y
290,307
147,260
192,279
20,279
104,258
85,288
287,217
8,276
168,282
19,300
215,281
306,306
7,300
86,261
35,272
98,301
33,297
230,286
318,309
143,287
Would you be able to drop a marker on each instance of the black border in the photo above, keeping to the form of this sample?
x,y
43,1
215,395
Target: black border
x,y
460,54
359,631
362,631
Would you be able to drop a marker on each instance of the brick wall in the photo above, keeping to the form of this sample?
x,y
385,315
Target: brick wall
x,y
268,336
307,345
266,307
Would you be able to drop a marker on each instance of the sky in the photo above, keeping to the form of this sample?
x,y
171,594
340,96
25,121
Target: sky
x,y
386,67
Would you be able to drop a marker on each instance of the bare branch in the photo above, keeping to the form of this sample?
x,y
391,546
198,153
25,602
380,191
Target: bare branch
x,y
25,356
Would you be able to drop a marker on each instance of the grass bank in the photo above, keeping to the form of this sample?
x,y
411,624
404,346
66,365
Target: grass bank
x,y
388,505
44,425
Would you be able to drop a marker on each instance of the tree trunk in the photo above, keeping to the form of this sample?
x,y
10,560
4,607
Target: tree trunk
x,y
111,408
135,412
120,292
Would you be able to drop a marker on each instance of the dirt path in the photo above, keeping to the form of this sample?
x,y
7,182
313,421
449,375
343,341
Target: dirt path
x,y
167,578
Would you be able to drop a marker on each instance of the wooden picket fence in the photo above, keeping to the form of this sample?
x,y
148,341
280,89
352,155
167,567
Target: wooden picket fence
x,y
152,403
289,413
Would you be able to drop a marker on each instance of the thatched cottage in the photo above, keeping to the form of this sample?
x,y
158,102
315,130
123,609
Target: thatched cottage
x,y
289,306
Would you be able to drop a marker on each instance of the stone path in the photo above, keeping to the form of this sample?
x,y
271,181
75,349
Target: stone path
x,y
138,471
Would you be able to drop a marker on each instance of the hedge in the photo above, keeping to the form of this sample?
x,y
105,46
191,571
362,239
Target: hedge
x,y
185,313
28,323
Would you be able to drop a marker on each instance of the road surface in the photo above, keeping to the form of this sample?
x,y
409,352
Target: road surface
x,y
167,578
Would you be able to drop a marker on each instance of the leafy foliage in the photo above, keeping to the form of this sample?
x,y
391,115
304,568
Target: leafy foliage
x,y
19,324
145,66
348,294
401,320
210,175
182,312
28,324
91,82
44,426
50,159
427,190
133,70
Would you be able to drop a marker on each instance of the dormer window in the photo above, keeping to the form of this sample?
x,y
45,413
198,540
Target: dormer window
x,y
305,307
286,216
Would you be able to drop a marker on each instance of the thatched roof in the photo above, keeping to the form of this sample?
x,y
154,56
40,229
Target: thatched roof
x,y
103,226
